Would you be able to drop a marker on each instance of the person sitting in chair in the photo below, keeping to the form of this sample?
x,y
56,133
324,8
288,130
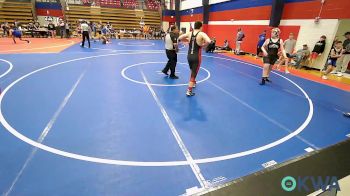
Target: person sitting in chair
x,y
211,47
300,56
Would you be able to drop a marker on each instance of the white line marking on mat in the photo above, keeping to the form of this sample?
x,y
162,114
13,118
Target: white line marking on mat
x,y
309,149
45,132
8,70
195,168
269,164
273,121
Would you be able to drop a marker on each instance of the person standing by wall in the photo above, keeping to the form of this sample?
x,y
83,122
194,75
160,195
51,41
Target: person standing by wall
x,y
344,60
262,38
171,48
67,29
318,48
239,41
52,29
62,27
289,46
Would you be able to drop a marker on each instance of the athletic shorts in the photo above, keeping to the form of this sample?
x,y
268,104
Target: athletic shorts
x,y
17,33
194,63
270,59
314,55
332,62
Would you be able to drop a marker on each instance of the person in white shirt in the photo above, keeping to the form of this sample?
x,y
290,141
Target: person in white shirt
x,y
85,29
171,52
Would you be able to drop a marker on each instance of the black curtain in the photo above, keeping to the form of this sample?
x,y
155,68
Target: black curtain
x,y
205,11
276,12
177,13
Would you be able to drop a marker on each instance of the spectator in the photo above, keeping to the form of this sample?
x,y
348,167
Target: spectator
x,y
36,25
318,48
336,53
31,28
289,46
162,34
239,40
336,39
94,29
300,56
62,28
67,29
226,46
52,30
344,60
16,23
211,47
6,29
262,38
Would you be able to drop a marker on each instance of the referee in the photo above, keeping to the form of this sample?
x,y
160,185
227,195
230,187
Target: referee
x,y
85,32
171,49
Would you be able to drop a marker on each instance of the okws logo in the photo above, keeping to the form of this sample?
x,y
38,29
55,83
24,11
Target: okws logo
x,y
289,183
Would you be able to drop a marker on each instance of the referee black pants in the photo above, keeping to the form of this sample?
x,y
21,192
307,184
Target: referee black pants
x,y
172,60
85,36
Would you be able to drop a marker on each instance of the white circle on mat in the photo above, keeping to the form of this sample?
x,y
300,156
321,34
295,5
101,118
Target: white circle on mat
x,y
145,63
8,70
36,144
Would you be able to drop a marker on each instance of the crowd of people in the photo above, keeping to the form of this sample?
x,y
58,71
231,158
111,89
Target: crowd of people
x,y
97,31
106,32
35,29
337,62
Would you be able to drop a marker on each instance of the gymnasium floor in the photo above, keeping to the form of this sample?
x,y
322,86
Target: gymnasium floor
x,y
104,121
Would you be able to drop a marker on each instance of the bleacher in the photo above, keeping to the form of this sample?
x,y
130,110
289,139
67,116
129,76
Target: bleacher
x,y
119,18
20,11
152,4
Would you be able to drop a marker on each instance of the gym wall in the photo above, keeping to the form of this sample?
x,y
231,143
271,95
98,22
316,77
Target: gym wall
x,y
253,16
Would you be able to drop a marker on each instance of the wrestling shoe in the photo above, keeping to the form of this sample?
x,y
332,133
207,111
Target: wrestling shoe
x,y
174,77
189,93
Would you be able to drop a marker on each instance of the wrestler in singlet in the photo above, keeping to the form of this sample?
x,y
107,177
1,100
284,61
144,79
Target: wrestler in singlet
x,y
194,56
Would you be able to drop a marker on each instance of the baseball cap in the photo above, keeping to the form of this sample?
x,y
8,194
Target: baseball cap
x,y
347,33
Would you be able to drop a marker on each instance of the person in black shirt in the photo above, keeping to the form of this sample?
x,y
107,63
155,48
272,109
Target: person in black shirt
x,y
318,48
270,49
52,29
171,49
6,29
31,28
